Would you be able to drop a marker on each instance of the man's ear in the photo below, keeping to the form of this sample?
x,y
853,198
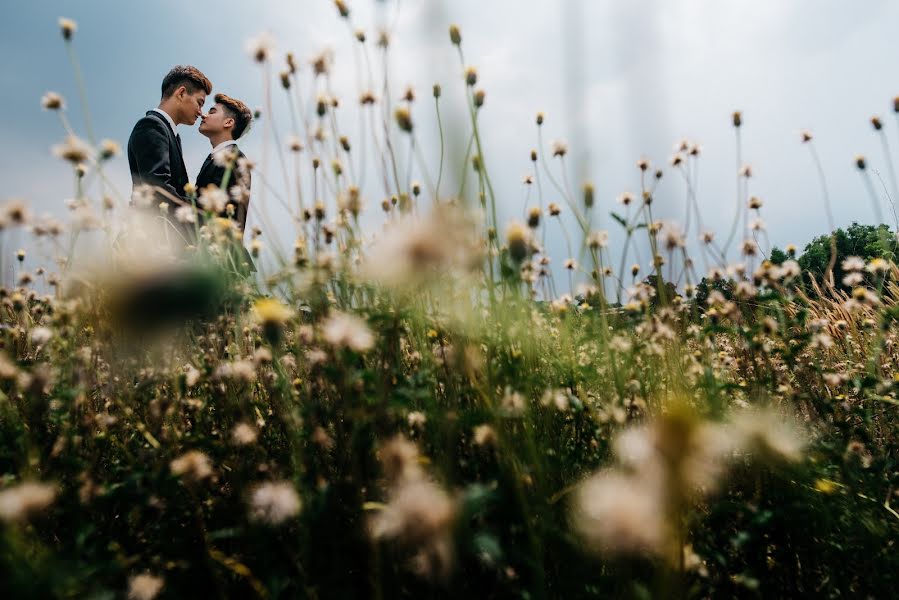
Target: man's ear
x,y
228,123
180,92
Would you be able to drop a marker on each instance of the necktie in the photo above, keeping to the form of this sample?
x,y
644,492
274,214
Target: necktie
x,y
178,139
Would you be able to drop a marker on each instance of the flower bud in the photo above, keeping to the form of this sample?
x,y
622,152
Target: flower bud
x,y
455,35
67,27
738,118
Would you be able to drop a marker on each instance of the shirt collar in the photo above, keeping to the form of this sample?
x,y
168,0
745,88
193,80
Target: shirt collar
x,y
224,145
168,119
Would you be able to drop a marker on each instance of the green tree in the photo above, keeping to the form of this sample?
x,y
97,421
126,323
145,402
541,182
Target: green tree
x,y
866,241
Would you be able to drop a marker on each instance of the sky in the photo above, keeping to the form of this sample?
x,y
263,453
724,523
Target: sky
x,y
617,80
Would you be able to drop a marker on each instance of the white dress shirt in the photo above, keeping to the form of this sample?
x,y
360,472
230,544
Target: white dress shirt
x,y
223,145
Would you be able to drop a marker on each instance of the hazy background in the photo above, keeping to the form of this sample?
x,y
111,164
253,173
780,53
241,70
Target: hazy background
x,y
618,80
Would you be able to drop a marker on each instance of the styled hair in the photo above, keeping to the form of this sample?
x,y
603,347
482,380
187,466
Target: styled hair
x,y
190,77
238,111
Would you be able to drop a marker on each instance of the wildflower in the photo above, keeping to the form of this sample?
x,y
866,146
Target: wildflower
x,y
471,76
52,101
416,419
342,8
275,502
478,98
737,118
40,336
243,434
746,171
769,434
420,516
806,136
598,239
518,240
512,403
853,263
620,514
186,214
192,465
435,91
570,264
20,255
25,500
860,162
261,47
67,27
643,164
343,330
109,149
878,265
484,435
749,248
73,150
857,452
560,148
403,119
876,123
853,279
790,269
534,217
554,209
294,144
144,586
455,35
272,315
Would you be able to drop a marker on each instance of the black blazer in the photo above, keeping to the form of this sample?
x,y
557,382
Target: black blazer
x,y
211,173
155,157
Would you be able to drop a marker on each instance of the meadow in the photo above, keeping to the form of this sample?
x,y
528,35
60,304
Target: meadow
x,y
427,408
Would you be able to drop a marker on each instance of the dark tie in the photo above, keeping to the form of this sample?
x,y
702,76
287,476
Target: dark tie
x,y
178,139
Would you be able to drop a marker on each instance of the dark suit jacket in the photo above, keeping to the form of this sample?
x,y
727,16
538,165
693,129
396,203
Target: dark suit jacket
x,y
211,173
155,157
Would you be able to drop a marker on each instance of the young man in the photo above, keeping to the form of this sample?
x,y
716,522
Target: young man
x,y
223,125
154,148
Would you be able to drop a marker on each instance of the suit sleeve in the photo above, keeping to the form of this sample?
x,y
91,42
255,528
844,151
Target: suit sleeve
x,y
150,146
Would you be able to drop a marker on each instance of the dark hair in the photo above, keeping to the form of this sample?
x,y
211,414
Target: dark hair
x,y
238,111
191,78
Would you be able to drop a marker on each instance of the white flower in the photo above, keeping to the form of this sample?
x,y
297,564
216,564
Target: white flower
x,y
274,502
143,196
343,330
40,336
853,263
213,199
144,587
19,502
243,434
73,149
261,46
186,214
192,465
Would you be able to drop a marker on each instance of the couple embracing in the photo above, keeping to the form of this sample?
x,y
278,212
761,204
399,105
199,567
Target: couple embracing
x,y
156,158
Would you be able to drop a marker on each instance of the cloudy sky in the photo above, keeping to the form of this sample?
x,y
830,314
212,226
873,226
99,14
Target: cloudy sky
x,y
617,80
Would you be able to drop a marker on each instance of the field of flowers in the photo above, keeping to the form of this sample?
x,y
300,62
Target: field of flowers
x,y
422,409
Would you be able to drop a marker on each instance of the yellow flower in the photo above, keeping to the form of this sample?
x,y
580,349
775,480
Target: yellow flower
x,y
826,486
271,311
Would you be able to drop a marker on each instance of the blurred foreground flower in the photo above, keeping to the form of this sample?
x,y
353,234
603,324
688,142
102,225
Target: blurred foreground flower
x,y
274,502
272,315
419,515
192,465
343,330
144,587
22,501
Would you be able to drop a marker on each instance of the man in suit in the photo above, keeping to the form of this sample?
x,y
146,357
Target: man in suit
x,y
226,166
154,148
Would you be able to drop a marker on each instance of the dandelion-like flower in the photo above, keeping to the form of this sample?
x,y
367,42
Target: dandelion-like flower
x,y
67,27
22,501
343,330
518,240
261,47
272,315
274,502
73,150
192,466
52,101
144,586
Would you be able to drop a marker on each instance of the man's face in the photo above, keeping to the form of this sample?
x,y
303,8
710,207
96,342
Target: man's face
x,y
191,105
215,121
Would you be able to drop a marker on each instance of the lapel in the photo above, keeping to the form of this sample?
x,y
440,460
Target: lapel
x,y
177,160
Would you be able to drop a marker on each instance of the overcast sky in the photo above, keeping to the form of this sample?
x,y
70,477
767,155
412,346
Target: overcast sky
x,y
618,80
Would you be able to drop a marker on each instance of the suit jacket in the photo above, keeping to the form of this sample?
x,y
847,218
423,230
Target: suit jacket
x,y
155,157
211,173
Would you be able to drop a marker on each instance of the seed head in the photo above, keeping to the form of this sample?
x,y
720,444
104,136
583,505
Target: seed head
x,y
560,148
67,27
285,79
471,76
291,63
860,162
806,136
534,217
540,118
588,195
261,47
554,209
52,101
109,149
73,150
479,98
643,164
518,240
342,8
403,119
455,35
436,90
876,123
360,36
896,104
533,156
20,255
274,502
737,118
